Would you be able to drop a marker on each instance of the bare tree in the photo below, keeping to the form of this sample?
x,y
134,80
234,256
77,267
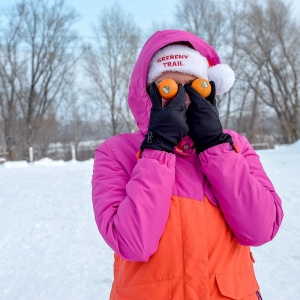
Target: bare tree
x,y
235,100
10,73
108,64
203,18
270,40
36,66
78,117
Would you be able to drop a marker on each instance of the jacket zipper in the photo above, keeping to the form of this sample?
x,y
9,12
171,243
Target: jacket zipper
x,y
259,297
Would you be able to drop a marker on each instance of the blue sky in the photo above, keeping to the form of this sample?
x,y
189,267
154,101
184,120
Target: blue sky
x,y
144,13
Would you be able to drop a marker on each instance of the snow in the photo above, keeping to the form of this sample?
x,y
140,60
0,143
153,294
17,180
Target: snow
x,y
50,247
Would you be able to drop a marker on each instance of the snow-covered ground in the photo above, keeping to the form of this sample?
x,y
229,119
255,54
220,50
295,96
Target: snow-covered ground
x,y
50,248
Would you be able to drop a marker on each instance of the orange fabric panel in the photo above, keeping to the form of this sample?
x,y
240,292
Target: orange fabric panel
x,y
198,258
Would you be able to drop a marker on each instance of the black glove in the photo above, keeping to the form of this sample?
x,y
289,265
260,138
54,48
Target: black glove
x,y
205,127
167,126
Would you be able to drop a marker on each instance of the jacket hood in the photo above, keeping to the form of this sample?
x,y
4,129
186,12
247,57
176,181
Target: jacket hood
x,y
138,98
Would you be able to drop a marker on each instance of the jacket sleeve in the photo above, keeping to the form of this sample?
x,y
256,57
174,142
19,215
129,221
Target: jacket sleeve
x,y
131,210
244,192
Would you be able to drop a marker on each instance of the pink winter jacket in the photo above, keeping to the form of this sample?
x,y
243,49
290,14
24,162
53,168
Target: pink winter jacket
x,y
132,197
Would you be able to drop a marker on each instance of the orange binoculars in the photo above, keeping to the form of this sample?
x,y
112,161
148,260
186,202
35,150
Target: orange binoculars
x,y
168,88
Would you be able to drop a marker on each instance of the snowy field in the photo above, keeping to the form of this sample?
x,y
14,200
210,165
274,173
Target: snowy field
x,y
50,248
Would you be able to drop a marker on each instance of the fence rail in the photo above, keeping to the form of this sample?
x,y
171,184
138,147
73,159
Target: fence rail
x,y
57,151
85,151
259,146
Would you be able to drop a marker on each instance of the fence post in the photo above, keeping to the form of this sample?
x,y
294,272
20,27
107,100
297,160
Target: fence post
x,y
30,154
73,152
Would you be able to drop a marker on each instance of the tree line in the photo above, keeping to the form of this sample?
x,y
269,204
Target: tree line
x,y
55,87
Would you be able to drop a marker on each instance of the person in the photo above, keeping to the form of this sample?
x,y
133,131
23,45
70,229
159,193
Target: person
x,y
181,200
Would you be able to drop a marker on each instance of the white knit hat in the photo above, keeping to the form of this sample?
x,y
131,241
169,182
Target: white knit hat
x,y
183,59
